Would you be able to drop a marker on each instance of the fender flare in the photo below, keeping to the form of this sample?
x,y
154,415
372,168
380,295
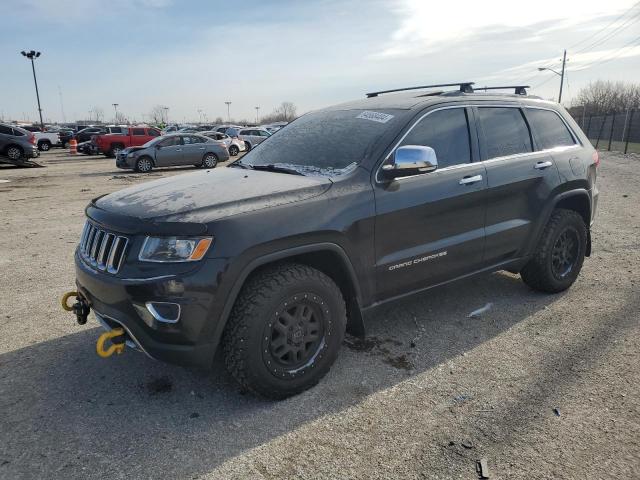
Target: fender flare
x,y
544,218
356,319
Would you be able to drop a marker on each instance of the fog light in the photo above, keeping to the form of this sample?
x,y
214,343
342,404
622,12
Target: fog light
x,y
165,312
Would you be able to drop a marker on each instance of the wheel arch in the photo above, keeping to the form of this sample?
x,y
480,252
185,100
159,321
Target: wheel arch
x,y
327,257
150,157
578,200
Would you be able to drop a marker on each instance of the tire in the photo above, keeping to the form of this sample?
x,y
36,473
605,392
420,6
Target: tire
x,y
144,165
210,160
234,150
247,146
285,330
14,152
44,146
114,150
558,258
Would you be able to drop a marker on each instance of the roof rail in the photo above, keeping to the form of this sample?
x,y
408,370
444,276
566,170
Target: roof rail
x,y
519,89
465,87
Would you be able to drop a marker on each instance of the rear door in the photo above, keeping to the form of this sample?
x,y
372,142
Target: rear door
x,y
169,152
430,227
194,149
520,179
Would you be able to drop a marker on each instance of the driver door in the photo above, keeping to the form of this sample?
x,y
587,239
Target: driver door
x,y
169,152
430,227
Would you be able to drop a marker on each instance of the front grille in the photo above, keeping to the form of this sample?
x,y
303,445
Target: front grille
x,y
101,249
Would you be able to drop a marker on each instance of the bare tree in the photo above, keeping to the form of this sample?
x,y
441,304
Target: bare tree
x,y
96,113
602,97
121,118
156,115
218,121
286,112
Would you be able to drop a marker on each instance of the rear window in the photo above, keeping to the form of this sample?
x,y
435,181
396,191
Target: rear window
x,y
505,131
137,131
6,130
549,129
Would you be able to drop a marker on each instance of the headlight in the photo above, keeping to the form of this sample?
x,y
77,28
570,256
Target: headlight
x,y
174,249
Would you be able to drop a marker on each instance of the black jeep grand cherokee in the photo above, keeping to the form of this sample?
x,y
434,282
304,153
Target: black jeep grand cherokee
x,y
344,209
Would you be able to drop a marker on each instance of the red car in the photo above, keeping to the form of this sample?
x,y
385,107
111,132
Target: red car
x,y
111,144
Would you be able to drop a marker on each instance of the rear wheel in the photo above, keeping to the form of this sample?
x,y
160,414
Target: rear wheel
x,y
14,152
144,165
44,146
247,146
559,255
115,150
285,330
234,150
209,160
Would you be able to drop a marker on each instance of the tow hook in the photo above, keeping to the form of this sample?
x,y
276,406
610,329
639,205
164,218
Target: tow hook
x,y
80,307
117,343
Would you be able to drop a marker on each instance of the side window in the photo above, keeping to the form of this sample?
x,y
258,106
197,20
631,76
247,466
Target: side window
x,y
137,131
18,133
197,140
447,132
550,131
170,142
505,131
154,133
6,130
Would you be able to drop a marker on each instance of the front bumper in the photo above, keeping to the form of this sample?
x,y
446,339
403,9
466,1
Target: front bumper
x,y
119,301
122,161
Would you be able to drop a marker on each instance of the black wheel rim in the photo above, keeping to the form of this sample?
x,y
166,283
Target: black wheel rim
x,y
295,337
564,254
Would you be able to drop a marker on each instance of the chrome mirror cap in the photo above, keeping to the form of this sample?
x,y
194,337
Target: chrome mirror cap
x,y
411,160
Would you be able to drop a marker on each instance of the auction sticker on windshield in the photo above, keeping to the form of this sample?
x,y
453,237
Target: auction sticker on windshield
x,y
375,116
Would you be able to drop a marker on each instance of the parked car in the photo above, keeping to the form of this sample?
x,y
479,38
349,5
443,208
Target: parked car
x,y
234,145
346,209
66,134
253,136
225,128
110,144
44,139
173,150
87,148
17,144
89,132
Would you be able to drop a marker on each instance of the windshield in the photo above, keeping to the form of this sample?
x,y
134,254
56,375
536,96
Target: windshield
x,y
153,141
326,142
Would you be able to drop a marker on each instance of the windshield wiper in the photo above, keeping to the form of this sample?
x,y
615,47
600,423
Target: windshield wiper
x,y
277,168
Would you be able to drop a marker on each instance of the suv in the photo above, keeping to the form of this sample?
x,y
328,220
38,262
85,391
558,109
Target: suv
x,y
17,143
253,136
273,258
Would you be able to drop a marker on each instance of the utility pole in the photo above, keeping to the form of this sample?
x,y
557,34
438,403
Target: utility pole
x,y
257,116
228,111
564,61
115,109
31,55
64,117
166,112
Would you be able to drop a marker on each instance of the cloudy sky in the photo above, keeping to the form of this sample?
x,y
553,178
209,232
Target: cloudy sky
x,y
195,55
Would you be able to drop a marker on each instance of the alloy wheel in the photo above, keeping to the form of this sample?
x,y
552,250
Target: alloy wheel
x,y
564,253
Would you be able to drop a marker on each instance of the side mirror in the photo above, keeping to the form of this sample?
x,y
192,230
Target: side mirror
x,y
410,160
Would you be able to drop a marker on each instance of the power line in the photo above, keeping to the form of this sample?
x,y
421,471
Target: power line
x,y
613,56
591,37
611,34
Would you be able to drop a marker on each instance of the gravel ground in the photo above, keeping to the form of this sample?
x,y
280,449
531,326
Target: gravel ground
x,y
541,386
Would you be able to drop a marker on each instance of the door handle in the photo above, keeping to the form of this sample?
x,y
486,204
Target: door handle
x,y
542,165
201,148
178,149
470,180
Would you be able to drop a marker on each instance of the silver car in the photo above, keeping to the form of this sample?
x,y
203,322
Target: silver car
x,y
253,136
173,150
234,145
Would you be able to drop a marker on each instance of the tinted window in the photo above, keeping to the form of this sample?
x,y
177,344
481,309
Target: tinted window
x,y
505,131
154,133
137,131
18,133
189,140
171,141
550,131
447,132
6,130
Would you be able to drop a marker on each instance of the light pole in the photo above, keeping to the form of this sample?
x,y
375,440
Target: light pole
x,y
560,74
200,114
115,108
31,55
257,116
228,111
166,113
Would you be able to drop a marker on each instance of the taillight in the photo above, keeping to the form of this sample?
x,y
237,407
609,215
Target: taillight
x,y
32,139
596,158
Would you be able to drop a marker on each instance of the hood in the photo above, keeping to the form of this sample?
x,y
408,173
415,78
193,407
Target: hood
x,y
213,194
132,149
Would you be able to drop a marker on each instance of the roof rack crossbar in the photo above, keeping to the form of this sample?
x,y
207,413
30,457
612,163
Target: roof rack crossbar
x,y
465,87
519,89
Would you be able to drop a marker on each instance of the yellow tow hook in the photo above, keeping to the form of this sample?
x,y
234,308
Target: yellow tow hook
x,y
65,300
115,348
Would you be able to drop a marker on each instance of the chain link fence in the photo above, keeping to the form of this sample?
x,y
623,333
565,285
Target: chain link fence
x,y
618,131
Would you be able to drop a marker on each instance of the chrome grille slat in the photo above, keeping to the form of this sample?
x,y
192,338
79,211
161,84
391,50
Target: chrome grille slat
x,y
101,249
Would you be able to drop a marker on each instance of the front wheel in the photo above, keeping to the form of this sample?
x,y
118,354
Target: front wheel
x,y
14,153
558,258
247,146
143,165
285,330
234,150
44,146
